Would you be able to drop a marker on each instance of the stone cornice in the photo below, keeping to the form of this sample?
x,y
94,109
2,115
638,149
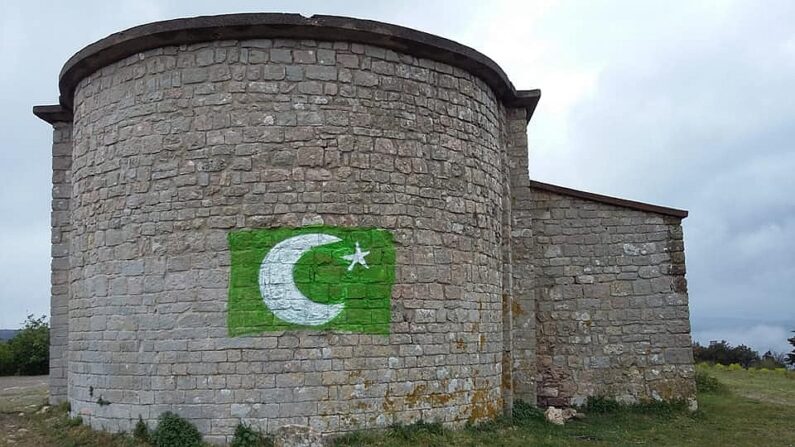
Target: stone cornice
x,y
273,25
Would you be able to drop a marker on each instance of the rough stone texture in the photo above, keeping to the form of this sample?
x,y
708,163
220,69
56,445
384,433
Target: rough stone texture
x,y
297,436
612,305
59,267
559,416
520,301
175,147
503,290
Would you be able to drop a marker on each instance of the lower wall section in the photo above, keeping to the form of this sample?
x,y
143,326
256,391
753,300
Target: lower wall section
x,y
611,302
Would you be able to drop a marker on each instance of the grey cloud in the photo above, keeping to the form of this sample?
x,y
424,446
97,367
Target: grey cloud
x,y
704,122
692,108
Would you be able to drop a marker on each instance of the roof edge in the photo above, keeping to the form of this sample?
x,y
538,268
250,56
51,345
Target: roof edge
x,y
616,201
54,113
278,25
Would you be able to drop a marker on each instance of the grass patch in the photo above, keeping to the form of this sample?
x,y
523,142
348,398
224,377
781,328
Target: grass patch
x,y
707,383
776,386
246,436
734,413
603,405
747,408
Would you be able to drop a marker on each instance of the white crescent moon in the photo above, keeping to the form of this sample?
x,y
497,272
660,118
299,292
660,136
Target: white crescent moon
x,y
277,285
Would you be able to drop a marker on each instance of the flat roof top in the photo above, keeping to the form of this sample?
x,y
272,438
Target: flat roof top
x,y
624,203
276,25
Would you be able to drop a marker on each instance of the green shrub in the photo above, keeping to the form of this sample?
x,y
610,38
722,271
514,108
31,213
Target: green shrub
x,y
705,383
524,412
771,360
30,347
141,431
245,436
7,365
174,431
724,353
74,422
601,405
735,367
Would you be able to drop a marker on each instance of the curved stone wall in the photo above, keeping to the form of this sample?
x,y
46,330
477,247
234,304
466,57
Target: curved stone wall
x,y
176,147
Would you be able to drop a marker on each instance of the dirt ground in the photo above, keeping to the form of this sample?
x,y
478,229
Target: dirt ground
x,y
22,394
19,396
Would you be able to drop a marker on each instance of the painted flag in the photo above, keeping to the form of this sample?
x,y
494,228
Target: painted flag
x,y
318,277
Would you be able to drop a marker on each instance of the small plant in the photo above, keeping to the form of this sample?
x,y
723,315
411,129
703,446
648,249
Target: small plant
x,y
245,436
601,405
705,383
141,431
524,412
74,422
64,407
416,430
174,431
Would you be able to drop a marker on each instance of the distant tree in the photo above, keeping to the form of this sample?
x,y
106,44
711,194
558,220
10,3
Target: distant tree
x,y
771,360
30,347
791,355
7,365
745,356
725,354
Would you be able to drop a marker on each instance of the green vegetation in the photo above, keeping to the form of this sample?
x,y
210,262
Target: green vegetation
x,y
245,436
28,352
141,431
723,353
763,385
705,383
174,431
738,407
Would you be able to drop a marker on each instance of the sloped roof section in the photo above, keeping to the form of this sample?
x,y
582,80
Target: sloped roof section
x,y
616,201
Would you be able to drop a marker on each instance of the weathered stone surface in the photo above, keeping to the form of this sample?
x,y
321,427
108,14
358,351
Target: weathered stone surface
x,y
502,292
297,436
163,170
608,317
559,416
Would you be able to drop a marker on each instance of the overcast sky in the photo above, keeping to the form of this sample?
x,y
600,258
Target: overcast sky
x,y
686,104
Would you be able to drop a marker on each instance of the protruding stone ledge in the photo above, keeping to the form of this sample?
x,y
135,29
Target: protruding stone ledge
x,y
53,113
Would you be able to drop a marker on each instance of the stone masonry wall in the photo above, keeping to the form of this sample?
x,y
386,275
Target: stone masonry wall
x,y
612,304
178,146
520,302
59,292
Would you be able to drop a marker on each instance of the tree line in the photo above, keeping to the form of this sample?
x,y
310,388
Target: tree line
x,y
27,353
724,353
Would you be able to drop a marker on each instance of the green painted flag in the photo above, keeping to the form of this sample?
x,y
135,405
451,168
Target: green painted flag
x,y
319,277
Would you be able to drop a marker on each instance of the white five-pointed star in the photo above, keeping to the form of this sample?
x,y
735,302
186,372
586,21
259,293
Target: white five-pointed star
x,y
357,258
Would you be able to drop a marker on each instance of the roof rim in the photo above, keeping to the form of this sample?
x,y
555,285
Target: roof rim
x,y
134,40
615,201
